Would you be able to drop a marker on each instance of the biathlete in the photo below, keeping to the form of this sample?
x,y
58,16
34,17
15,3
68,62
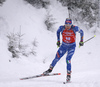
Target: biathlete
x,y
68,45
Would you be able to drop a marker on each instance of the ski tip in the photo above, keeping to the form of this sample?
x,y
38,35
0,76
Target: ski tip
x,y
21,79
59,73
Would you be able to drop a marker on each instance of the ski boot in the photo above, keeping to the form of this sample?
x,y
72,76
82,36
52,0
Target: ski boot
x,y
49,70
68,76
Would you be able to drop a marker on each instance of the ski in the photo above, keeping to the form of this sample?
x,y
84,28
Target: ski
x,y
66,82
40,75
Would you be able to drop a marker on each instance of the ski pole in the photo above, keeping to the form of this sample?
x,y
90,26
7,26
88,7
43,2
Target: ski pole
x,y
88,39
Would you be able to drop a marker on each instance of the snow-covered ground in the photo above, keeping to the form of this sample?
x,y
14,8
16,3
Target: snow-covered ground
x,y
16,14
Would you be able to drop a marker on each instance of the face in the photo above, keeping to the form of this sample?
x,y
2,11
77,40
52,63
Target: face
x,y
67,26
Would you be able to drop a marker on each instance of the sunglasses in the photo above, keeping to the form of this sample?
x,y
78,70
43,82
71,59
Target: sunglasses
x,y
67,25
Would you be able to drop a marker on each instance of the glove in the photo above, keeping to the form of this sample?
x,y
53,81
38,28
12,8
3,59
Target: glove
x,y
58,43
81,43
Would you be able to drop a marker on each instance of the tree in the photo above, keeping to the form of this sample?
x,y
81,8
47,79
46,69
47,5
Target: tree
x,y
38,3
1,1
82,10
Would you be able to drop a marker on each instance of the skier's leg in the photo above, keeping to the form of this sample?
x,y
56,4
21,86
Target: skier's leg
x,y
69,56
61,51
68,61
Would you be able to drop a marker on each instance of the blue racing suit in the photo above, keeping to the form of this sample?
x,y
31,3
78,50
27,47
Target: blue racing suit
x,y
68,44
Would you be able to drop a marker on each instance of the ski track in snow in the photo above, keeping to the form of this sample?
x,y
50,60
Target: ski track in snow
x,y
48,83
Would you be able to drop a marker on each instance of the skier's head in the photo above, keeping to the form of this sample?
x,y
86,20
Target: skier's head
x,y
68,21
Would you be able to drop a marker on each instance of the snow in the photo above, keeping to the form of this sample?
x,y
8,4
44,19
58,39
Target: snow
x,y
16,14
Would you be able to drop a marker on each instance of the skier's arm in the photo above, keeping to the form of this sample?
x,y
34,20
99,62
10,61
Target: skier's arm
x,y
81,33
58,33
